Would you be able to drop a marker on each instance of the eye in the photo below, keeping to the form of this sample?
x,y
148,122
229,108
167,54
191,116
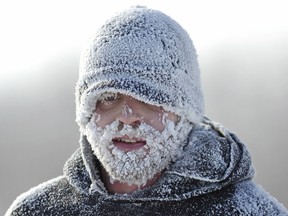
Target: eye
x,y
107,96
107,100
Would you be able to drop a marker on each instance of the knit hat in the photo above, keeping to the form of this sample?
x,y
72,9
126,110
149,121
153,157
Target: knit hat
x,y
145,54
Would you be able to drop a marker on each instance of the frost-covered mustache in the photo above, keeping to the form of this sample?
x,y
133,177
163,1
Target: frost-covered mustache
x,y
142,132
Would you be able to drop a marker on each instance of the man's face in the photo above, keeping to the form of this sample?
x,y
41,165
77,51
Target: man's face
x,y
134,140
130,111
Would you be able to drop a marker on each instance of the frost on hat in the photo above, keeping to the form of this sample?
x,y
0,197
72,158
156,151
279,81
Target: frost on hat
x,y
143,53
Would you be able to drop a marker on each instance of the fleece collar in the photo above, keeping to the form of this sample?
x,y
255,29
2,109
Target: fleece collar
x,y
214,158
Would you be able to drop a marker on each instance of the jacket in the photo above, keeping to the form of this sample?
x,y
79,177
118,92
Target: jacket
x,y
213,177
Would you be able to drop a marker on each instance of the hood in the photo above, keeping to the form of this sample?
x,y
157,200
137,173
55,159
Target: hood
x,y
214,158
143,53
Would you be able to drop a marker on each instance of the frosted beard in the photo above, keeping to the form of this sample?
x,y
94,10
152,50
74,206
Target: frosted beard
x,y
138,166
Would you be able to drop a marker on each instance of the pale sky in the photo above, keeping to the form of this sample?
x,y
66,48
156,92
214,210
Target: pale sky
x,y
32,32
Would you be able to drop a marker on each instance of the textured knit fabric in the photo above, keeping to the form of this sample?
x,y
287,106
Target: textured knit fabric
x,y
145,54
213,178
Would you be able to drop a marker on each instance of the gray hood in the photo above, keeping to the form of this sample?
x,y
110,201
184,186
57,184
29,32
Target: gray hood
x,y
214,158
145,54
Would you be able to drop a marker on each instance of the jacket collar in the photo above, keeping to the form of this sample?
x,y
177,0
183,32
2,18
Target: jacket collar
x,y
214,158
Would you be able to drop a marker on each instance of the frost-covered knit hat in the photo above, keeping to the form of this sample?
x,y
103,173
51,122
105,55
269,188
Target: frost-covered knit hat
x,y
145,54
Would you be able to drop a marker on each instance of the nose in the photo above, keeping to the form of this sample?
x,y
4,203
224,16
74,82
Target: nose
x,y
129,114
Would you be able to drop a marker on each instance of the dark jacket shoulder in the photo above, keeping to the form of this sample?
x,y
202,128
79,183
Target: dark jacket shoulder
x,y
54,197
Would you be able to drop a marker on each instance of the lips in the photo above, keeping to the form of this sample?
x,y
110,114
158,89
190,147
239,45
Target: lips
x,y
126,143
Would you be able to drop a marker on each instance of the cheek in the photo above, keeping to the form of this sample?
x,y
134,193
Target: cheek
x,y
158,120
173,117
104,118
99,120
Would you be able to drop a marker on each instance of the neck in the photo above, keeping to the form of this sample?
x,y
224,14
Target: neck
x,y
123,188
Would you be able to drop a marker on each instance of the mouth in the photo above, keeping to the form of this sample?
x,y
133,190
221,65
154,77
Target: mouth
x,y
126,143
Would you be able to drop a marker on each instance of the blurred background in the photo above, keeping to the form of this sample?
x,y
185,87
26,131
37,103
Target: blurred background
x,y
243,55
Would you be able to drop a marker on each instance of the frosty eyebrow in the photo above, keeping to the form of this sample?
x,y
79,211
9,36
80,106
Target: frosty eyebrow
x,y
108,96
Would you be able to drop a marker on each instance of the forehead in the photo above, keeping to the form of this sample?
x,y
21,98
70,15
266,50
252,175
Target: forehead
x,y
116,94
108,96
119,95
114,100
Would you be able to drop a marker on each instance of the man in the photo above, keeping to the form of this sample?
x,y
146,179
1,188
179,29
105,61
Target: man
x,y
146,147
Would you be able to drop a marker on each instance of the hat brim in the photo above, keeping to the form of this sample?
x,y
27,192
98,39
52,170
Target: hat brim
x,y
139,90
